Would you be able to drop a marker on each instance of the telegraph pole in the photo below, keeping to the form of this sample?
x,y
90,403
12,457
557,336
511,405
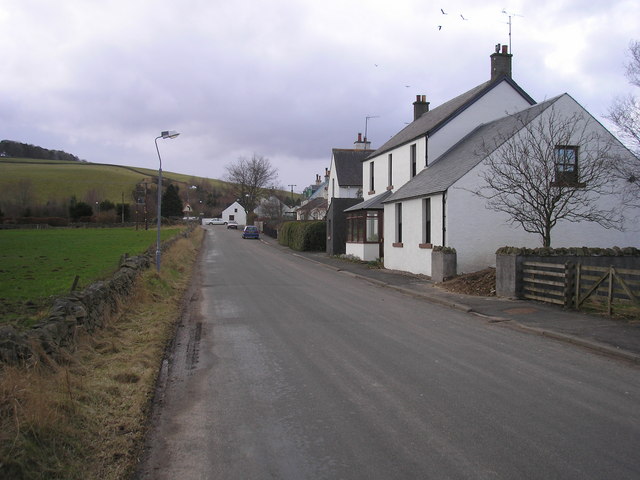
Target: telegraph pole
x,y
292,202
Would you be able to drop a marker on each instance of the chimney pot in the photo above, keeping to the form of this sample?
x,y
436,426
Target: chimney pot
x,y
359,137
501,62
420,106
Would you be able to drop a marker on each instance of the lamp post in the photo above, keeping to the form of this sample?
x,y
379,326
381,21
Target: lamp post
x,y
166,134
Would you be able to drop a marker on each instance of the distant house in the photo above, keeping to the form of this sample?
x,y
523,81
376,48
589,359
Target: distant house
x,y
418,186
314,209
235,213
273,208
314,206
344,190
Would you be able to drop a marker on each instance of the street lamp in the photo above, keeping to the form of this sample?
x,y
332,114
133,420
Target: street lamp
x,y
167,134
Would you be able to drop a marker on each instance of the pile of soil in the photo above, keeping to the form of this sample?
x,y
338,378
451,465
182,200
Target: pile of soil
x,y
481,283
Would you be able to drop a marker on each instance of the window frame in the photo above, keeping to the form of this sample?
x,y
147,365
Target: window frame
x,y
361,223
413,159
398,225
426,221
566,171
372,179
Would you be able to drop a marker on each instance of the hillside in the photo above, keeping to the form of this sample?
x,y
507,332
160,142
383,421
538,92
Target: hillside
x,y
37,183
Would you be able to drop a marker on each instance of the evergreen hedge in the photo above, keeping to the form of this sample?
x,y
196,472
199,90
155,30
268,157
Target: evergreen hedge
x,y
304,236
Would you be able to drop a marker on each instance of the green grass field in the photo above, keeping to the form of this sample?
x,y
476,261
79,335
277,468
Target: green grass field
x,y
57,180
38,264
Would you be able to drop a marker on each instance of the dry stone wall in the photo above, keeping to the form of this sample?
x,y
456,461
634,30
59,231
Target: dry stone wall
x,y
88,310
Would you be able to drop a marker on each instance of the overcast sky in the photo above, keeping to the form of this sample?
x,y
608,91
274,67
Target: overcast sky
x,y
285,79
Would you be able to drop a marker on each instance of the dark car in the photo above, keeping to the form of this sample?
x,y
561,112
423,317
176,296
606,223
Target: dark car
x,y
232,224
250,231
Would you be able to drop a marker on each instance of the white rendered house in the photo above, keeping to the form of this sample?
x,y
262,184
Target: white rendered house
x,y
420,143
235,213
439,207
429,171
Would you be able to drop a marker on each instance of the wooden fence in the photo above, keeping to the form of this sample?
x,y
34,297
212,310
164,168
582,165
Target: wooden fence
x,y
572,284
546,282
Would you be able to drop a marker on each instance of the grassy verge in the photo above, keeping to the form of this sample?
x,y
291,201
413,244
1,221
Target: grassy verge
x,y
85,418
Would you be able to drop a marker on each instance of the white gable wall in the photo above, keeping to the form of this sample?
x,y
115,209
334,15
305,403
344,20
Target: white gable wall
x,y
477,232
467,214
236,211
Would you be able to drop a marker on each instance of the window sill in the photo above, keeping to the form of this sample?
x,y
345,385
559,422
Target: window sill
x,y
568,184
425,245
371,192
397,245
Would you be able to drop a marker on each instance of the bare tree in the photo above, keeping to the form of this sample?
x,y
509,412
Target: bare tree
x,y
272,208
624,113
250,178
550,168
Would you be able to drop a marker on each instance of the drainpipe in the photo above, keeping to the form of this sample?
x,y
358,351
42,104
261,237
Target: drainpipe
x,y
444,218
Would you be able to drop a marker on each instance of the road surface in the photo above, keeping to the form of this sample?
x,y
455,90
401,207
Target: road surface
x,y
285,369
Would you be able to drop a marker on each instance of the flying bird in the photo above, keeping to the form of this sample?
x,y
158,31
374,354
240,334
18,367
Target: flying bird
x,y
443,12
463,17
439,27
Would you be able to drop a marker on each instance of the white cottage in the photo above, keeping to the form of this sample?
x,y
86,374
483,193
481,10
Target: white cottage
x,y
235,213
439,206
420,143
419,185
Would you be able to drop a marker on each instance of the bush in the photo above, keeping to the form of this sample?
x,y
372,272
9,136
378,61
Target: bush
x,y
304,236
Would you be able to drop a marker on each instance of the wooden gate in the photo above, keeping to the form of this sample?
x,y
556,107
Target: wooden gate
x,y
620,284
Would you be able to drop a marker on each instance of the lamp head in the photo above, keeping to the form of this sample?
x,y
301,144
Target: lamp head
x,y
169,134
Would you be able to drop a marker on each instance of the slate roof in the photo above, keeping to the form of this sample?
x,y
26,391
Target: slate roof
x,y
348,165
315,203
465,155
431,121
374,203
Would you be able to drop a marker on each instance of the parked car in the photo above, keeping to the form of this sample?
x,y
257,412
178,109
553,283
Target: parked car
x,y
251,231
216,221
232,224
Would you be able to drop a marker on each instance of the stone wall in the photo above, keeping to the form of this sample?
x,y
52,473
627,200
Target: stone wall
x,y
88,310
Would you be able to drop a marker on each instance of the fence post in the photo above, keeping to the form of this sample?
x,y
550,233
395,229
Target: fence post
x,y
577,294
569,284
610,292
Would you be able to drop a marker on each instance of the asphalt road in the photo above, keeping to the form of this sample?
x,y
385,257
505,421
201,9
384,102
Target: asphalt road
x,y
288,370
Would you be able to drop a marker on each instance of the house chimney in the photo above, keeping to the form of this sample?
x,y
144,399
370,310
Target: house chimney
x,y
420,106
501,62
361,144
